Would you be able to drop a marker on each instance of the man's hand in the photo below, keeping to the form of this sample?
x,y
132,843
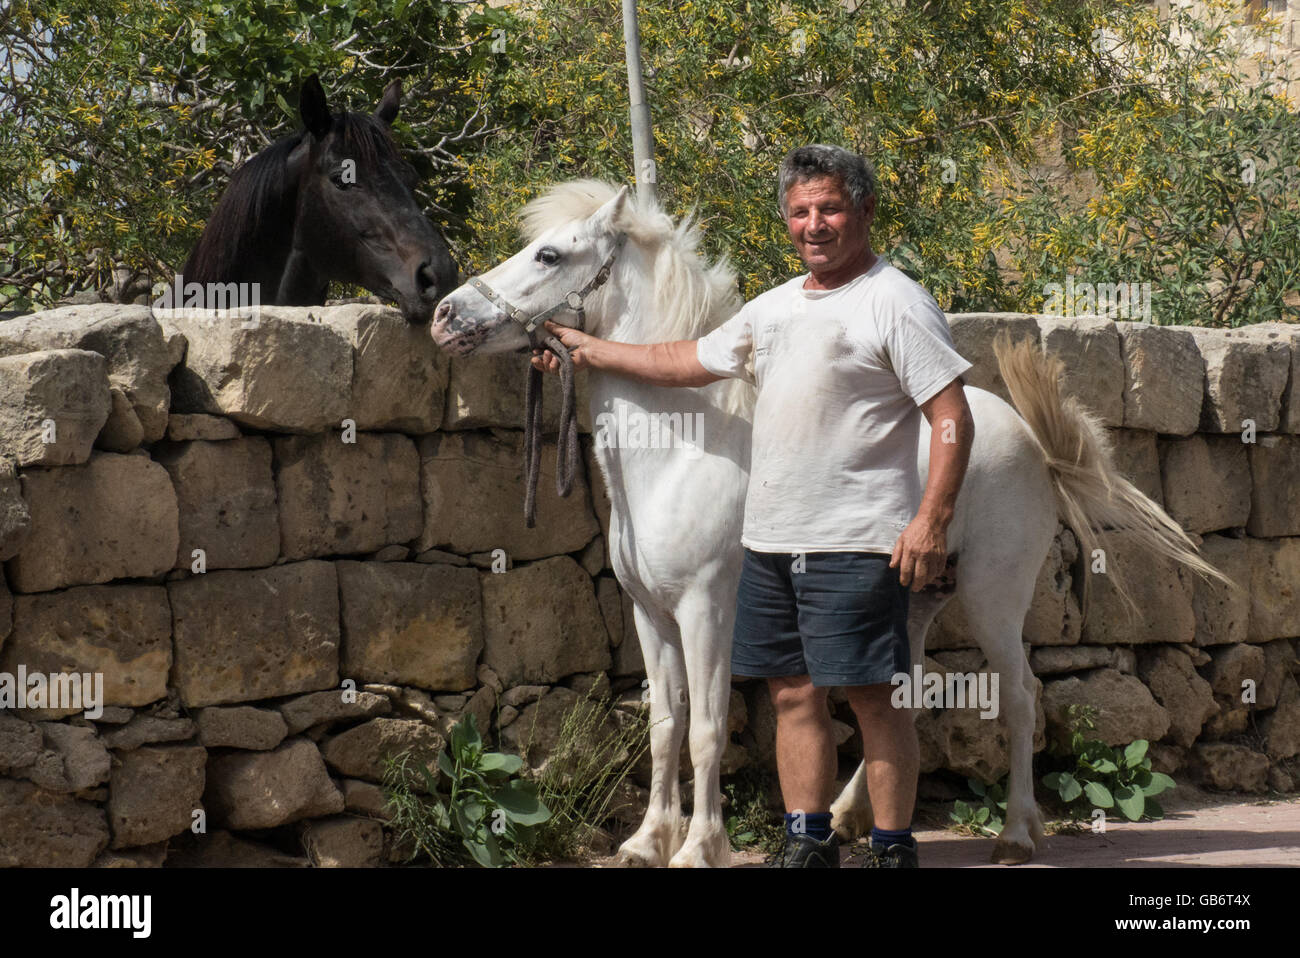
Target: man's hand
x,y
920,554
659,364
577,342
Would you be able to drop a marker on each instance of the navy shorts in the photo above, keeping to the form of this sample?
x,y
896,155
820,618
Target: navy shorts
x,y
841,620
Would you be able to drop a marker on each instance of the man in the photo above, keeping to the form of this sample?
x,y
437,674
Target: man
x,y
846,359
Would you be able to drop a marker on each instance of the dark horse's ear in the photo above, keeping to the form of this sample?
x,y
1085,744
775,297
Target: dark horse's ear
x,y
388,104
315,111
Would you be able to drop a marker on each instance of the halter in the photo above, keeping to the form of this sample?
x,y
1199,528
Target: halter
x,y
573,300
566,450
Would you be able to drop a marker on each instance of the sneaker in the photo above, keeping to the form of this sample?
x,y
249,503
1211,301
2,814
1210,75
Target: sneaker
x,y
893,856
804,851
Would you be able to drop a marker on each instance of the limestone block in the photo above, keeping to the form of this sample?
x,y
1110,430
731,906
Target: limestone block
x,y
1164,378
247,790
1094,367
542,622
283,371
53,404
1206,482
122,632
113,518
470,467
409,623
225,494
342,498
244,636
1245,376
154,793
128,337
973,335
399,376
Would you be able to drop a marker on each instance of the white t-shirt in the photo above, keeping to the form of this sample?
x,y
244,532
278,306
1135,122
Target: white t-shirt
x,y
841,374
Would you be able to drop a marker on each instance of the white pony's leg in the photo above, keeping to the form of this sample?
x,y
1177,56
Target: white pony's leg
x,y
851,811
996,596
660,834
706,641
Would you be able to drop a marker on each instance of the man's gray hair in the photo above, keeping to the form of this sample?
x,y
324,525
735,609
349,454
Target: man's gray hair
x,y
820,159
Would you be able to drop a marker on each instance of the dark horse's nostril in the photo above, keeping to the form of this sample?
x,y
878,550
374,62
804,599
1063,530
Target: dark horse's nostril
x,y
425,279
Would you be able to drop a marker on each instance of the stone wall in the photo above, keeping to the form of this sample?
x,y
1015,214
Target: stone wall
x,y
237,527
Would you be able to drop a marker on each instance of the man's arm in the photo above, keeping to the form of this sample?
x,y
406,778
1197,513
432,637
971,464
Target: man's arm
x,y
921,551
659,364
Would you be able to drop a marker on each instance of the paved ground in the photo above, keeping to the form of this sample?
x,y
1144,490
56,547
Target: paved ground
x,y
1200,829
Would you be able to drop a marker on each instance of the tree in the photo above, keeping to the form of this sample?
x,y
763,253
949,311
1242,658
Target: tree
x,y
1017,143
121,120
1020,144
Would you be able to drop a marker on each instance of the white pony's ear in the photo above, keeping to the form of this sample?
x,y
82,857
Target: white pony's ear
x,y
609,216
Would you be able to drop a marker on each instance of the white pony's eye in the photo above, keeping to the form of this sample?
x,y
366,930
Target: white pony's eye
x,y
547,256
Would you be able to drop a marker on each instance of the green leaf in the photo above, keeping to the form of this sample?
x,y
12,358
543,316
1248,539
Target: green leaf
x,y
1052,780
1099,795
1130,802
446,765
1070,789
500,762
519,801
1105,767
474,812
982,815
1153,810
484,851
1134,754
1160,782
465,737
976,786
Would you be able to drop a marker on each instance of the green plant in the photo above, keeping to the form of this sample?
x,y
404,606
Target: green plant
x,y
749,819
595,749
1099,776
415,823
983,817
489,811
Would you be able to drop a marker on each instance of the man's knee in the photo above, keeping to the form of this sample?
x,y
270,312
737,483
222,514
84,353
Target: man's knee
x,y
873,702
796,696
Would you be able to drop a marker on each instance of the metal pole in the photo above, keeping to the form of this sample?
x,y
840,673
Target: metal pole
x,y
643,144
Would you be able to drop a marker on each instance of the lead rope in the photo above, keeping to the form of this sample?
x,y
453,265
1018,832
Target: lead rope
x,y
566,451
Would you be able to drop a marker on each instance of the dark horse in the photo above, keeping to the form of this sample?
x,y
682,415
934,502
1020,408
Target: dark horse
x,y
333,201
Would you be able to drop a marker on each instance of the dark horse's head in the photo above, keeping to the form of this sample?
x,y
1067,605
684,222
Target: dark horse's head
x,y
333,202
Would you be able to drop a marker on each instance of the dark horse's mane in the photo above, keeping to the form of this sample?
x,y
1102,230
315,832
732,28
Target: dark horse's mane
x,y
254,218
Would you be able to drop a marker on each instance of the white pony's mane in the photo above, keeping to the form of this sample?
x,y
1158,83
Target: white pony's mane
x,y
691,297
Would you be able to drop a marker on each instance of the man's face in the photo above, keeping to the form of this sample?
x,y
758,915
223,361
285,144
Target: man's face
x,y
827,229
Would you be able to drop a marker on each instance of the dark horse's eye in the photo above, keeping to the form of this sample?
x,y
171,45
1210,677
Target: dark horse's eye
x,y
343,183
547,256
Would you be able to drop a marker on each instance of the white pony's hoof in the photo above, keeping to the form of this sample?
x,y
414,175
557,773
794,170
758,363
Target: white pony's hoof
x,y
1007,852
633,858
640,851
698,856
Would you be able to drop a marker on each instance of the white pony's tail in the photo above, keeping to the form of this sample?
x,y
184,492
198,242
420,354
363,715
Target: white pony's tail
x,y
1093,498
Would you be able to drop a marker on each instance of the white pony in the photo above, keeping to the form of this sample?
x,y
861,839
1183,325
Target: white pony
x,y
674,536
